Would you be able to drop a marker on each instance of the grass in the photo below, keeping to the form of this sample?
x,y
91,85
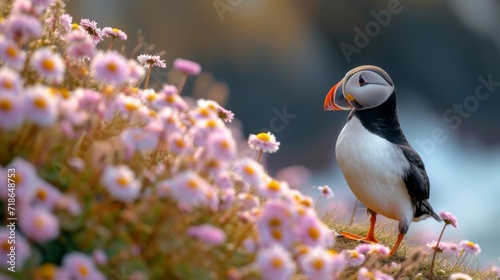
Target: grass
x,y
415,260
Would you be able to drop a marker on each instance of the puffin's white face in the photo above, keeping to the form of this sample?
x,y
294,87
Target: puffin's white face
x,y
362,88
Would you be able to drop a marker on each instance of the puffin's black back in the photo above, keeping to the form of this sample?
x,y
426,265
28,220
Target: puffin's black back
x,y
384,122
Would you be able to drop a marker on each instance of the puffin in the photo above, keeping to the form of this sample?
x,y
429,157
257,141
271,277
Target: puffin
x,y
381,168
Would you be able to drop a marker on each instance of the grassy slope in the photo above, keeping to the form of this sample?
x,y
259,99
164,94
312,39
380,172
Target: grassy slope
x,y
413,260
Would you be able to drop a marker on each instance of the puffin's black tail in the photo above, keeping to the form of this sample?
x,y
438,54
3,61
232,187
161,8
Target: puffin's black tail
x,y
424,210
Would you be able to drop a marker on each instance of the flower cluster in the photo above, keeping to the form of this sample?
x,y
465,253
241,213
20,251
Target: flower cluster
x,y
110,176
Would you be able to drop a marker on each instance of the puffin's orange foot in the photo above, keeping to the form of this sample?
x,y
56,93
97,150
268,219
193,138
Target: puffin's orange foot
x,y
351,236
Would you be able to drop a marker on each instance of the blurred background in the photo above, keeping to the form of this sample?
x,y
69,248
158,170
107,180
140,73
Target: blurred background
x,y
276,60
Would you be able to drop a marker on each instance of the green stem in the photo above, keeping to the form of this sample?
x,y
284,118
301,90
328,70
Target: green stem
x,y
260,154
146,83
435,252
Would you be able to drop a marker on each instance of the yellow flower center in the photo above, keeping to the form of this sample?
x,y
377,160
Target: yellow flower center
x,y
276,262
83,270
41,194
46,272
204,112
277,234
151,97
8,84
354,254
225,145
40,103
122,181
18,179
470,244
112,67
313,233
5,245
318,264
152,113
11,51
131,106
302,250
75,26
180,143
170,99
39,222
48,64
274,186
306,202
211,124
249,170
5,105
274,222
116,30
192,184
264,137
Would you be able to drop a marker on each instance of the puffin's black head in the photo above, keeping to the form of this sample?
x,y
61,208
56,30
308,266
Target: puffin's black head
x,y
363,87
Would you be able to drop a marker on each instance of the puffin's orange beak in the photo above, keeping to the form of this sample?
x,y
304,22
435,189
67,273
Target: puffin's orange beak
x,y
335,100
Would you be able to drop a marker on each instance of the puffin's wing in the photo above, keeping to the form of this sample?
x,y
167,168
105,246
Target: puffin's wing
x,y
416,180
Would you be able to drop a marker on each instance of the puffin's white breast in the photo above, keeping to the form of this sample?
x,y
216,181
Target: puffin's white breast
x,y
373,168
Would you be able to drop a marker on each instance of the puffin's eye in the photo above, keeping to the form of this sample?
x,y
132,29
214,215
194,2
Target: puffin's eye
x,y
362,81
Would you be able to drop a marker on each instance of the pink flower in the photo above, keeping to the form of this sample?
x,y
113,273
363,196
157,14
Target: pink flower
x,y
46,195
470,247
168,97
24,176
80,45
186,66
76,163
10,81
21,28
208,234
274,224
365,274
10,54
354,258
247,202
110,67
221,145
460,276
39,224
450,248
114,33
151,60
264,141
48,64
41,106
448,218
273,188
81,267
274,263
121,183
434,246
91,28
325,191
311,231
179,144
7,243
100,257
187,188
319,264
70,204
225,115
135,71
251,172
139,139
12,112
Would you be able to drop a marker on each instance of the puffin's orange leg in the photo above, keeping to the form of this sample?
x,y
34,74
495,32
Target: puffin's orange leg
x,y
370,237
396,245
